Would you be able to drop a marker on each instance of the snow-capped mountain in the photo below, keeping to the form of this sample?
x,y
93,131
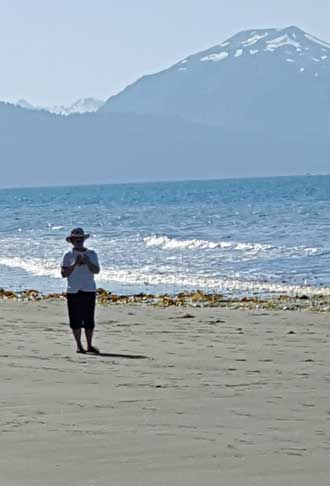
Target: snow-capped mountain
x,y
265,80
256,105
25,104
83,105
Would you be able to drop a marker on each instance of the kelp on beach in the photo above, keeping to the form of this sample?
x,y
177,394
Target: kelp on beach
x,y
319,303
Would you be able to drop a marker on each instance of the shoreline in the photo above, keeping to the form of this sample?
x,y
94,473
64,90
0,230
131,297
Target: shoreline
x,y
196,299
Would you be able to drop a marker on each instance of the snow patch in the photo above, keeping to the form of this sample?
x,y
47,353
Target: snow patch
x,y
239,52
253,51
255,38
283,40
290,60
302,69
83,105
216,57
184,61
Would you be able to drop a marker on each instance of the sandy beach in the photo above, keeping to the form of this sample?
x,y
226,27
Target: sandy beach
x,y
182,396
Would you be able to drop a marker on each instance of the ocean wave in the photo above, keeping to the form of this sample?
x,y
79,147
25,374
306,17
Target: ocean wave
x,y
38,267
145,277
166,243
148,277
56,228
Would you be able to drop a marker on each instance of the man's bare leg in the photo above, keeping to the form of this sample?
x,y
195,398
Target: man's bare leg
x,y
77,336
89,339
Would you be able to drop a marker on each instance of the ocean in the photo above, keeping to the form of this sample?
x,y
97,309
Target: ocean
x,y
236,237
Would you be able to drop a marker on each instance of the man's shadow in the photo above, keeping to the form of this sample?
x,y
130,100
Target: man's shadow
x,y
126,356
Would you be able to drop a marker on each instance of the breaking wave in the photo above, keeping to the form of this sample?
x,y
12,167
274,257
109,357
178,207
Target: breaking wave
x,y
150,277
206,283
166,243
38,267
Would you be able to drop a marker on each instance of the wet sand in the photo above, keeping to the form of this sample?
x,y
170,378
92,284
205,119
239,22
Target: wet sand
x,y
182,396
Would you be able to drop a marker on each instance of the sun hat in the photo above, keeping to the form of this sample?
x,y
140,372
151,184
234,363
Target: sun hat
x,y
77,233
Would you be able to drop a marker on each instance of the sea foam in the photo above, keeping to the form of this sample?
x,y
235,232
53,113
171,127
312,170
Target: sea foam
x,y
167,243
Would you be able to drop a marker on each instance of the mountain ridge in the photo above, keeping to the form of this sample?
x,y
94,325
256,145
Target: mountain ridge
x,y
81,105
239,83
237,115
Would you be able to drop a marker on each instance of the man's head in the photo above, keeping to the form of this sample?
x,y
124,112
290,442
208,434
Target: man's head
x,y
77,238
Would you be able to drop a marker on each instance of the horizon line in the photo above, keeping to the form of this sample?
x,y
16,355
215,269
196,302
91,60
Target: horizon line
x,y
160,181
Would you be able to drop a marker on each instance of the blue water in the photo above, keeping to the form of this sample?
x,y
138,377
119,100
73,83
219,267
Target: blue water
x,y
238,236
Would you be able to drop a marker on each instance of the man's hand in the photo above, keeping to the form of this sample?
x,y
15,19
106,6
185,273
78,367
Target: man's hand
x,y
85,259
66,271
80,260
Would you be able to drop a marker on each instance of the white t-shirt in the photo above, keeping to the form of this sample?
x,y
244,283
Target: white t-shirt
x,y
81,278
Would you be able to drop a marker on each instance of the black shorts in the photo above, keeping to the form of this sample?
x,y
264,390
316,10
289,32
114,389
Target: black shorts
x,y
81,307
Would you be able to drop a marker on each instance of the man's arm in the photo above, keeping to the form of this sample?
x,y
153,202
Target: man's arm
x,y
93,267
66,271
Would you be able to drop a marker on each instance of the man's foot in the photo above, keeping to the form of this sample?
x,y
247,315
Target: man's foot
x,y
81,350
93,349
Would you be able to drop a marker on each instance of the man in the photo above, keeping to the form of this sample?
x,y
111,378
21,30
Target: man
x,y
79,265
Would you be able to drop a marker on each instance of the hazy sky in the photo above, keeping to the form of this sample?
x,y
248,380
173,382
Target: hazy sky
x,y
53,52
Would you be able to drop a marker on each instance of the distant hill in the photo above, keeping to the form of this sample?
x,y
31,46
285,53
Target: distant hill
x,y
256,105
39,148
83,105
